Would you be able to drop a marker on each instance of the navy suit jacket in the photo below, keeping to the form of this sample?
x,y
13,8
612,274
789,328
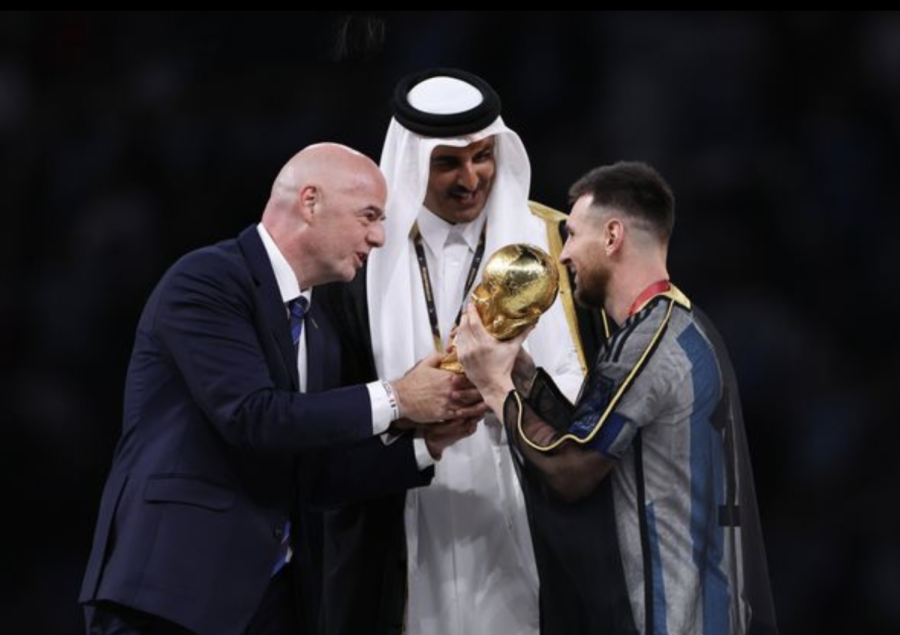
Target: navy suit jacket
x,y
218,448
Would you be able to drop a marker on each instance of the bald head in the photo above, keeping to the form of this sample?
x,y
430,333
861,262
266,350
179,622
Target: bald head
x,y
327,165
326,211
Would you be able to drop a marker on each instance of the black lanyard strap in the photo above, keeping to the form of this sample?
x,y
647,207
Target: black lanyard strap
x,y
429,289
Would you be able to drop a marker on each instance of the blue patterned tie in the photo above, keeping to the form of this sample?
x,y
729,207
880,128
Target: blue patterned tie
x,y
284,548
298,308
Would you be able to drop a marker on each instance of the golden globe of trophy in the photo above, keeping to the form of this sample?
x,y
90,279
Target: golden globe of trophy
x,y
519,283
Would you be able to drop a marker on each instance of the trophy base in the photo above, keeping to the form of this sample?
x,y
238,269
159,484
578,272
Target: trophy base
x,y
453,367
451,362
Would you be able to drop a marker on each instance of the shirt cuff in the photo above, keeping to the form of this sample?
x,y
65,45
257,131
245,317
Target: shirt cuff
x,y
384,406
423,456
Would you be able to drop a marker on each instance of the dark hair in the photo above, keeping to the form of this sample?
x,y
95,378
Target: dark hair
x,y
634,188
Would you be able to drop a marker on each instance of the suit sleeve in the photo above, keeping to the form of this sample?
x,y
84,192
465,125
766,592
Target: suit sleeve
x,y
206,321
360,472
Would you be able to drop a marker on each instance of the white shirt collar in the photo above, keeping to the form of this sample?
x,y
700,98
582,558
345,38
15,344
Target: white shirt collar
x,y
284,275
435,230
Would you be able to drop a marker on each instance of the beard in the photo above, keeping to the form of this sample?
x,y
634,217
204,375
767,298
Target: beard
x,y
590,288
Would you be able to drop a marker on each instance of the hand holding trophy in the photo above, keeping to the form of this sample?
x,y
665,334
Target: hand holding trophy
x,y
519,283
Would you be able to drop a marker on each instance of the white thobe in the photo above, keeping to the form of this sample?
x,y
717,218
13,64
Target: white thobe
x,y
474,569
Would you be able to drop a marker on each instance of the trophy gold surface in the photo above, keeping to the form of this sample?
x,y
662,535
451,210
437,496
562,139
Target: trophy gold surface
x,y
519,283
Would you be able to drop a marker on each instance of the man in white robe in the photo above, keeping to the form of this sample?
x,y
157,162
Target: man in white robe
x,y
457,176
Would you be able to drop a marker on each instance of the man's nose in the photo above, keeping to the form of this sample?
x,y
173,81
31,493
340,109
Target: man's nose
x,y
376,234
468,177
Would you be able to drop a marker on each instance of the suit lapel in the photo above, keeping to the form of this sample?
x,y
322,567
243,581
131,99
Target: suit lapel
x,y
274,312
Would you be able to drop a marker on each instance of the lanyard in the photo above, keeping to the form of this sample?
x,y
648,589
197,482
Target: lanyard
x,y
429,290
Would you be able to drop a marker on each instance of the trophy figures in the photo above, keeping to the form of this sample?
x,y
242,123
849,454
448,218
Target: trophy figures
x,y
519,283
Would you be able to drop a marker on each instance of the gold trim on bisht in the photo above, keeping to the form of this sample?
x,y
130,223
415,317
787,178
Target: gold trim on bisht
x,y
679,297
674,298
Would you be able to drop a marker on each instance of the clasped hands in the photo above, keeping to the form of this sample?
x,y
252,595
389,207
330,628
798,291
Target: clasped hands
x,y
444,406
447,406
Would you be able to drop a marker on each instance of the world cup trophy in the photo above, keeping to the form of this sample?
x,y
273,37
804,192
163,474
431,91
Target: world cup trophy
x,y
519,283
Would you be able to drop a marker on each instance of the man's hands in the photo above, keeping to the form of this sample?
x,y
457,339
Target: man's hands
x,y
444,406
428,394
440,436
488,362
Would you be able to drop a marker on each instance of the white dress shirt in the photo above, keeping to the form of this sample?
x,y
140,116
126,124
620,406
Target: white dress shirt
x,y
289,287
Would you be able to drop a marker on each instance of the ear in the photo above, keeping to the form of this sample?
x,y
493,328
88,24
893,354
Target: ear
x,y
307,201
613,236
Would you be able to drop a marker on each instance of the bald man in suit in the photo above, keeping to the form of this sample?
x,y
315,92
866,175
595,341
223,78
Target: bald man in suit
x,y
233,423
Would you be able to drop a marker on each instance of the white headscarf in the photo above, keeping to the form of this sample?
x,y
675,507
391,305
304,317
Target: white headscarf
x,y
479,466
398,318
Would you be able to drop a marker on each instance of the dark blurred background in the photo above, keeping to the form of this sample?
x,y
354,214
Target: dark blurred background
x,y
127,139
